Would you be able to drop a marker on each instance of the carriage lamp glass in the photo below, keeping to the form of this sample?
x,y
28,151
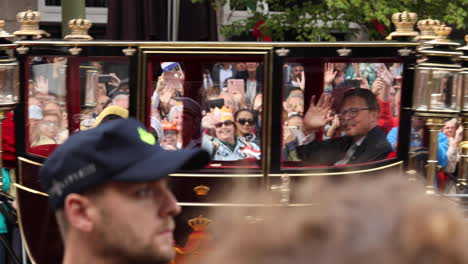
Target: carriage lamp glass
x,y
91,88
437,89
464,74
437,82
8,83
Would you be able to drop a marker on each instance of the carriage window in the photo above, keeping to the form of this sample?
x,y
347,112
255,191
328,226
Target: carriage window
x,y
55,111
104,92
46,105
340,113
211,104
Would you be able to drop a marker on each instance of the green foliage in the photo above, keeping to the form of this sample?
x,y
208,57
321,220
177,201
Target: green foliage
x,y
314,20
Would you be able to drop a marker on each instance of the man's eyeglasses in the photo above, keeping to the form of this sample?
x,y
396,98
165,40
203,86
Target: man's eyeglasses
x,y
49,123
352,112
225,123
244,121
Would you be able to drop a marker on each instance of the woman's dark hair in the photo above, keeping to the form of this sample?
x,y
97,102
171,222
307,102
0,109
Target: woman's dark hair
x,y
245,110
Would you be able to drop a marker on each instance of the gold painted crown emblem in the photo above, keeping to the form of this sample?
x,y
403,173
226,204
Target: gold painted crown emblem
x,y
79,29
404,24
443,33
199,224
201,190
29,21
426,28
223,113
3,33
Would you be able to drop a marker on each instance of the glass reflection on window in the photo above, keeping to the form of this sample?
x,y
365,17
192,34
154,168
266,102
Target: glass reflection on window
x,y
349,121
104,93
47,116
221,116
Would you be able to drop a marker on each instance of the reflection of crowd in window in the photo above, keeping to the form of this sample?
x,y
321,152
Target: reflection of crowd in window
x,y
224,121
46,102
47,105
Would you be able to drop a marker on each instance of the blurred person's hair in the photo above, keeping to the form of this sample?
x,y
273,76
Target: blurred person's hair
x,y
297,95
174,110
384,219
366,94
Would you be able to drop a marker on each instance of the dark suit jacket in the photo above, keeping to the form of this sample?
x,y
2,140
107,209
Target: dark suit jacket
x,y
374,147
215,74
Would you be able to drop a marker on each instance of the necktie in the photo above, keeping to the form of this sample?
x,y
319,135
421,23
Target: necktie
x,y
348,155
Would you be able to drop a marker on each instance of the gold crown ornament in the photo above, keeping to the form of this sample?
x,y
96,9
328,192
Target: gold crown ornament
x,y
199,224
426,29
442,32
3,33
404,25
442,37
79,29
29,21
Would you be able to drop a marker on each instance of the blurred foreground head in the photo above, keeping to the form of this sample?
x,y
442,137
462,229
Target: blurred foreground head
x,y
367,221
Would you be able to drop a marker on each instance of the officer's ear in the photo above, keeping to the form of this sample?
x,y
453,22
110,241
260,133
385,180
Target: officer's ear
x,y
79,212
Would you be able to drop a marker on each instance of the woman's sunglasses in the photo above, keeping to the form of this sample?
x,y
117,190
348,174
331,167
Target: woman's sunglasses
x,y
244,121
225,123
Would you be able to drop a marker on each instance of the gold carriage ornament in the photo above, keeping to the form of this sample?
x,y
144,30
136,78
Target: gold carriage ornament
x,y
79,29
404,25
29,21
201,190
426,29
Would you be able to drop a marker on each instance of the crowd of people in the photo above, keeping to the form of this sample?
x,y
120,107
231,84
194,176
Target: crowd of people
x,y
225,120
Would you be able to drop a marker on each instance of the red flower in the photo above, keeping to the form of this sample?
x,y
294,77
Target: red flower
x,y
378,26
257,33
